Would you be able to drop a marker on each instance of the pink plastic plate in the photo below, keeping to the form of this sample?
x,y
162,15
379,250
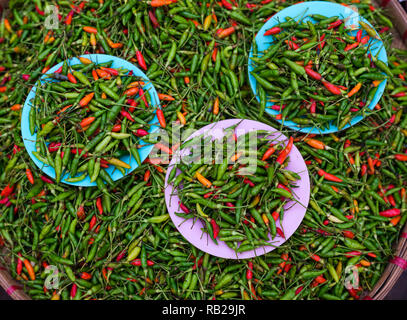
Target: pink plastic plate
x,y
294,211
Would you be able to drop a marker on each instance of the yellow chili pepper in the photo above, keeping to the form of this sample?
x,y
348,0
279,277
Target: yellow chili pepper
x,y
118,163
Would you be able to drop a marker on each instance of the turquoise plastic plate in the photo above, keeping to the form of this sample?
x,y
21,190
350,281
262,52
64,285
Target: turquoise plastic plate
x,y
297,12
29,140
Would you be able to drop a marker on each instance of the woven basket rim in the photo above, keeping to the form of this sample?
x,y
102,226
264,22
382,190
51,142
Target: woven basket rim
x,y
386,282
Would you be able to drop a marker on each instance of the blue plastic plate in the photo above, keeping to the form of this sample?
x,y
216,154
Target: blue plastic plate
x,y
303,10
29,140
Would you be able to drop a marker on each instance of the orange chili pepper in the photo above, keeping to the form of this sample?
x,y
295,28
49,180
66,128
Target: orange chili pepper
x,y
181,118
86,99
365,263
226,32
315,143
7,25
165,97
16,107
355,89
29,268
92,40
87,121
236,156
160,3
90,30
163,148
95,75
395,220
29,175
376,82
203,180
85,60
161,118
268,153
216,106
103,74
132,91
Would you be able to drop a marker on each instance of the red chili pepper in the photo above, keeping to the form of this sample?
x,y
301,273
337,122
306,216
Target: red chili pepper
x,y
335,24
328,176
359,35
71,78
280,232
313,106
331,87
127,115
390,213
143,97
7,191
315,257
351,46
19,267
400,157
365,40
46,179
281,186
68,19
4,201
153,19
140,133
322,42
207,195
81,212
249,271
16,149
313,74
215,228
285,152
293,45
226,5
298,290
137,262
320,279
121,255
274,30
117,128
140,60
74,289
348,234
54,146
391,200
99,205
353,293
147,175
351,254
92,222
247,181
184,208
40,12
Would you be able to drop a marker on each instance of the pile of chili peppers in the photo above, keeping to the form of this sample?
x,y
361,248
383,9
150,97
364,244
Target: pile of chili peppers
x,y
239,204
317,73
117,241
79,116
